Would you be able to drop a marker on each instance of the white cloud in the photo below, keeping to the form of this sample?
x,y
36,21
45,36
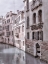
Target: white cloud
x,y
10,5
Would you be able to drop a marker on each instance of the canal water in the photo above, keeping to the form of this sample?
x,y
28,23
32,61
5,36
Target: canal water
x,y
12,55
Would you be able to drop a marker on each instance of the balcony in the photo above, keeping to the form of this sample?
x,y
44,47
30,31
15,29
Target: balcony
x,y
40,25
17,35
37,26
36,4
34,27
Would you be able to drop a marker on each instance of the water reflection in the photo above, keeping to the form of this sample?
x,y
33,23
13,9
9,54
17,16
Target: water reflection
x,y
10,55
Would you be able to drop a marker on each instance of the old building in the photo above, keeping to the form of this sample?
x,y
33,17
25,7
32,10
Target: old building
x,y
8,27
36,30
19,30
1,29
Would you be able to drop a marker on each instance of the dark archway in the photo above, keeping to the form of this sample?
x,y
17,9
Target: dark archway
x,y
37,50
37,45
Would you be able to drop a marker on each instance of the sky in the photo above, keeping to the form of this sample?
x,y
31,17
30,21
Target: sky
x,y
10,5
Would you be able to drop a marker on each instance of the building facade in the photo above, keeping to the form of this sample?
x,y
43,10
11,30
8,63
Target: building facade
x,y
8,28
19,30
36,31
1,29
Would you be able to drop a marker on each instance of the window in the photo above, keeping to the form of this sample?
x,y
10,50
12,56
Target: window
x,y
3,28
23,43
15,22
19,29
37,35
40,15
41,35
32,35
28,22
8,34
8,40
8,20
34,18
18,19
27,4
27,35
12,32
7,28
22,28
22,15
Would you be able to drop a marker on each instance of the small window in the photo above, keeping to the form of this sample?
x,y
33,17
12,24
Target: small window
x,y
19,29
32,35
23,43
27,35
38,35
41,35
22,15
12,32
27,4
8,20
27,21
22,28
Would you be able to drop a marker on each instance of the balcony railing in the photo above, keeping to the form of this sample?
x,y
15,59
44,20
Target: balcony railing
x,y
40,25
37,26
36,4
34,27
17,35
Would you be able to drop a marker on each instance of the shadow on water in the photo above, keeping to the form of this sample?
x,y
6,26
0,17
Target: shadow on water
x,y
12,55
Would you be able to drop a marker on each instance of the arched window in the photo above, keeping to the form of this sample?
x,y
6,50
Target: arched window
x,y
28,35
27,21
40,15
27,4
22,28
34,18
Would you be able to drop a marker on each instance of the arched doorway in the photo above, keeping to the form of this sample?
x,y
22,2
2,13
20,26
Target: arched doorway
x,y
37,50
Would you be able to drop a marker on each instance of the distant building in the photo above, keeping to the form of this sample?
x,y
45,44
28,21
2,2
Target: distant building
x,y
19,30
8,27
1,29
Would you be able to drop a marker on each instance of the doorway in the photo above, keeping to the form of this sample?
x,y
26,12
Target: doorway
x,y
38,50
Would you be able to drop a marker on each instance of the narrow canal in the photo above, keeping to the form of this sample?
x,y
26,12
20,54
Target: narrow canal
x,y
12,55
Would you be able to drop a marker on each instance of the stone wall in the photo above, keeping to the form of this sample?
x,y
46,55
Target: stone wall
x,y
31,49
44,51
